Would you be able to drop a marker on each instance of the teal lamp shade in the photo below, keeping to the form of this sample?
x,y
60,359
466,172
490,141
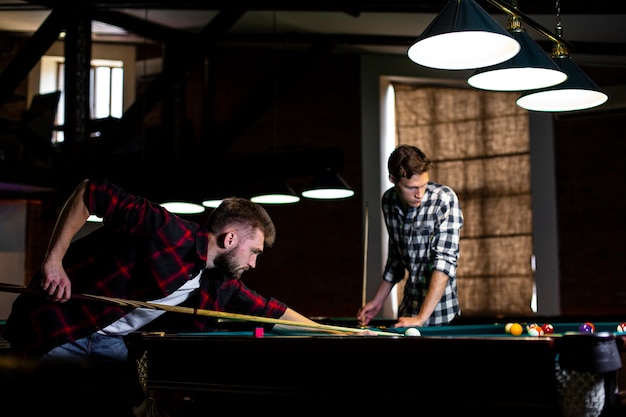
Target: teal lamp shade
x,y
578,92
275,191
530,69
328,186
463,36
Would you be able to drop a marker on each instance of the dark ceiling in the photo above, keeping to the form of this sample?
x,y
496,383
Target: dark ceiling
x,y
353,8
592,28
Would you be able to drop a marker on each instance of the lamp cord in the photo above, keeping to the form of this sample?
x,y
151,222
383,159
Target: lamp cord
x,y
274,88
559,28
559,49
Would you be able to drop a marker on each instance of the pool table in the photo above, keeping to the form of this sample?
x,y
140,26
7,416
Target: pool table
x,y
452,369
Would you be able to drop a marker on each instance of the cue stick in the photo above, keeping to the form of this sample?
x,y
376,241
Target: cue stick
x,y
121,302
364,294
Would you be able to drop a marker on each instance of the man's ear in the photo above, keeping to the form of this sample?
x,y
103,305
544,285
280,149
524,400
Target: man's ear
x,y
227,239
392,178
230,239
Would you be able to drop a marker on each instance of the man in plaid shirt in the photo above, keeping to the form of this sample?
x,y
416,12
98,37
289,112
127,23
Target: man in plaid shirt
x,y
424,221
142,252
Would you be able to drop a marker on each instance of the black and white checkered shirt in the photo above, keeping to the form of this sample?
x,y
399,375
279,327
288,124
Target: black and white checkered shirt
x,y
421,240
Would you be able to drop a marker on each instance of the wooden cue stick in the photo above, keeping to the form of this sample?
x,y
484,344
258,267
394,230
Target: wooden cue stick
x,y
364,294
121,302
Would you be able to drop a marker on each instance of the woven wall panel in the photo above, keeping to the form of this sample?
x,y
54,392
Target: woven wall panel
x,y
501,216
476,296
495,257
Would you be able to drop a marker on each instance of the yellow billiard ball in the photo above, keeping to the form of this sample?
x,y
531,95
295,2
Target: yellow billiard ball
x,y
516,329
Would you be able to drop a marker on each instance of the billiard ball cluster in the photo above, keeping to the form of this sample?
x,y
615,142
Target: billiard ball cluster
x,y
531,329
534,329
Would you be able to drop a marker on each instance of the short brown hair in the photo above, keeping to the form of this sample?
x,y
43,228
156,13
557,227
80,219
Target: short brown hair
x,y
244,214
406,161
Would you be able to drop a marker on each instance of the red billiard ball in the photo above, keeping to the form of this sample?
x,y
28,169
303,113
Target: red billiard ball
x,y
621,327
587,328
548,328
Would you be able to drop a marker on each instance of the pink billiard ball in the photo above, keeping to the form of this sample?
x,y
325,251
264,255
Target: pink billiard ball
x,y
621,327
587,328
548,328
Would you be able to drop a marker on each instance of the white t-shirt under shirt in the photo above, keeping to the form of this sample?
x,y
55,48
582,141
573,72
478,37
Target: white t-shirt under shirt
x,y
141,316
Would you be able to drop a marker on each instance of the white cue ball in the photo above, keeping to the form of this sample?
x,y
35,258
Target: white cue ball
x,y
412,331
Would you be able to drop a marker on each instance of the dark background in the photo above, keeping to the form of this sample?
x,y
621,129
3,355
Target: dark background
x,y
235,116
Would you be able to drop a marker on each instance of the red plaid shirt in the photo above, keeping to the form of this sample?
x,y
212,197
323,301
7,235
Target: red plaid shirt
x,y
141,252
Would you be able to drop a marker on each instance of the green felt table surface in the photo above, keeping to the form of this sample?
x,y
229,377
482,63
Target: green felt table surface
x,y
465,330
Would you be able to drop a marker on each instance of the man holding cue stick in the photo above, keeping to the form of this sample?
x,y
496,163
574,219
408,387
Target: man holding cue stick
x,y
423,221
121,302
142,252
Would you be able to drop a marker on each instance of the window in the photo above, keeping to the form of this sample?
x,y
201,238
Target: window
x,y
106,88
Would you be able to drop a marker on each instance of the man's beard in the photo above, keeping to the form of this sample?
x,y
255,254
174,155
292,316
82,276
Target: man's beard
x,y
226,262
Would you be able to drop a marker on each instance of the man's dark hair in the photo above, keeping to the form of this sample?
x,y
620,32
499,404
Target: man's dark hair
x,y
243,214
406,161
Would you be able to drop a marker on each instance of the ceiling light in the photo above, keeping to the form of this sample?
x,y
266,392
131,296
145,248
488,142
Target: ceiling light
x,y
530,69
328,186
212,203
275,191
578,92
181,207
463,36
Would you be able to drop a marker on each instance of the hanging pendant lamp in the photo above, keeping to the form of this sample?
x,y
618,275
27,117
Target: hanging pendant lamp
x,y
183,207
328,185
530,69
275,191
578,92
463,36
